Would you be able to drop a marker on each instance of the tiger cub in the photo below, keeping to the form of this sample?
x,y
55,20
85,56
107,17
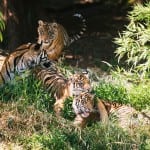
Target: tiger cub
x,y
55,37
59,86
87,108
23,58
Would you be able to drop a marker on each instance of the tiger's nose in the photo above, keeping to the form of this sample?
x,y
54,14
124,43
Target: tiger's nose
x,y
46,41
32,62
87,87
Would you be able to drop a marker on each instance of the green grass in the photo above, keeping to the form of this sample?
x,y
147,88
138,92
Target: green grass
x,y
27,118
95,137
140,95
115,93
30,92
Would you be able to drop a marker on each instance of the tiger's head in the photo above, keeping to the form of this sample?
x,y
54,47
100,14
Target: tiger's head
x,y
83,104
53,37
47,32
81,82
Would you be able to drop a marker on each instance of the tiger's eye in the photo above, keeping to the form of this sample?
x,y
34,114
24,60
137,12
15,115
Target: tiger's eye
x,y
50,33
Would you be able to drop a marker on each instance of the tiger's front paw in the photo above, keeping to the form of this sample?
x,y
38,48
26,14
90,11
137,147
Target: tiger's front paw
x,y
58,110
79,122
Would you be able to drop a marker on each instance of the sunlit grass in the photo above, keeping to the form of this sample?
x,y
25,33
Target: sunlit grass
x,y
27,119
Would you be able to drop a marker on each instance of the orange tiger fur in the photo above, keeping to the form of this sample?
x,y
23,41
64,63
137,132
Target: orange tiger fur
x,y
55,37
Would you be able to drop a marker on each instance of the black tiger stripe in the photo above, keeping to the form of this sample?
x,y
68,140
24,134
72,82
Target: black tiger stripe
x,y
41,56
8,71
2,78
50,86
17,59
48,79
9,66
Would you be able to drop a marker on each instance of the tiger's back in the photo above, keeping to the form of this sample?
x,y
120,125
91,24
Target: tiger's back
x,y
23,58
126,116
53,81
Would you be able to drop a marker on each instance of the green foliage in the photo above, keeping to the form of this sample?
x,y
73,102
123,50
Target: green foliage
x,y
95,137
112,92
54,140
134,42
68,111
139,95
30,91
2,26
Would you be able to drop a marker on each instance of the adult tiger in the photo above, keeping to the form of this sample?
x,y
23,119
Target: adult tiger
x,y
59,86
55,37
87,107
23,58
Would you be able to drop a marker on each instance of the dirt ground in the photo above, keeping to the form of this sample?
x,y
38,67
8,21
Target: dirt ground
x,y
97,45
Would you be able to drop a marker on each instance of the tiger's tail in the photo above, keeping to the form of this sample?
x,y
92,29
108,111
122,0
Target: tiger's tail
x,y
82,30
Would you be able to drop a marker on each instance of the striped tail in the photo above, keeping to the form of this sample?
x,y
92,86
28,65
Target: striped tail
x,y
83,28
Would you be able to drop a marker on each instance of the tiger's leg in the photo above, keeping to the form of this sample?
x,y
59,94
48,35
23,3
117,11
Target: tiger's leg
x,y
58,106
79,121
102,111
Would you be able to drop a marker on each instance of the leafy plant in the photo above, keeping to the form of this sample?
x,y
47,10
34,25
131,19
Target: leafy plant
x,y
68,111
139,95
134,42
2,26
111,92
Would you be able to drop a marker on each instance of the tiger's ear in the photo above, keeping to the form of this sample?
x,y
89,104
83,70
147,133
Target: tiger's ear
x,y
54,25
40,22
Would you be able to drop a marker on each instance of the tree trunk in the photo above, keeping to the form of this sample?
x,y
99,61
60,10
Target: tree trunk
x,y
18,16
